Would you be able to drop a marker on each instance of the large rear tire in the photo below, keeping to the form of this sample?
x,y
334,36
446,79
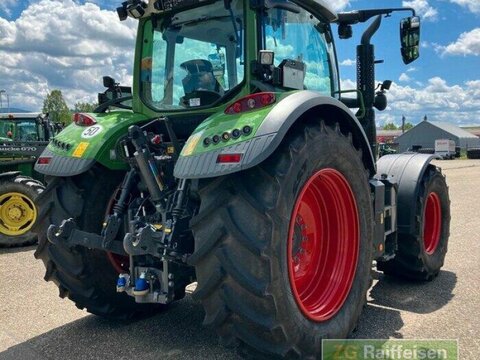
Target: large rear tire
x,y
85,276
421,255
268,239
18,212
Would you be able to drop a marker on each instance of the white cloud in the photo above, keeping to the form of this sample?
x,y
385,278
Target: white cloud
x,y
423,8
439,100
63,45
472,5
340,5
411,69
457,104
424,44
404,78
347,84
348,62
467,44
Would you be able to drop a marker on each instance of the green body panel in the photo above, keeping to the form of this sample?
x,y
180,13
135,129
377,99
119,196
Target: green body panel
x,y
113,126
220,123
25,168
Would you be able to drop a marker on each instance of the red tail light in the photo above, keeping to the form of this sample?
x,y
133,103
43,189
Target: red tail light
x,y
251,102
82,119
44,160
229,158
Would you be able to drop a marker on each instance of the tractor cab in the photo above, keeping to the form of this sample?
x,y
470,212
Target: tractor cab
x,y
196,56
26,127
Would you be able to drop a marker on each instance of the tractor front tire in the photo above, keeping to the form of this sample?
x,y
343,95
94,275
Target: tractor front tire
x,y
421,255
18,212
268,242
85,276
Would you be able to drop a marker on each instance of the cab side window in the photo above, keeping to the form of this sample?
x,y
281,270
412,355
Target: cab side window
x,y
300,37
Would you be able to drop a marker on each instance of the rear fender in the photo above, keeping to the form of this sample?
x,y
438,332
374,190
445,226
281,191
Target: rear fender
x,y
77,148
407,170
270,133
9,175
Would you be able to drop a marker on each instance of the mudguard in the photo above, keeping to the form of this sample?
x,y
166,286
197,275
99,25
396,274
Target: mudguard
x,y
407,170
63,165
9,175
77,148
267,137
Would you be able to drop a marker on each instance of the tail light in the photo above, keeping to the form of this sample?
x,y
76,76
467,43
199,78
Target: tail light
x,y
229,158
45,160
82,119
251,102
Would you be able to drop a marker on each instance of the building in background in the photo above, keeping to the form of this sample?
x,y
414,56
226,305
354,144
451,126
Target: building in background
x,y
426,132
473,130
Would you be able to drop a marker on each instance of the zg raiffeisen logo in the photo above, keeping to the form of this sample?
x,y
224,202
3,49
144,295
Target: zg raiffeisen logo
x,y
389,349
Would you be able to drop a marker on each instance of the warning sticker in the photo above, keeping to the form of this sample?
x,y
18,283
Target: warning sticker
x,y
80,149
191,144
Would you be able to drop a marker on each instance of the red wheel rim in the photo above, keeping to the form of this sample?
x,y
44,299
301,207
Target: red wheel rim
x,y
323,245
120,263
432,227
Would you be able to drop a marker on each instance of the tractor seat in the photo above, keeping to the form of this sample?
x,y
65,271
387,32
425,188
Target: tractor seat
x,y
200,77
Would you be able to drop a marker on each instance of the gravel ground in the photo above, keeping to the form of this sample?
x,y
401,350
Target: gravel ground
x,y
36,324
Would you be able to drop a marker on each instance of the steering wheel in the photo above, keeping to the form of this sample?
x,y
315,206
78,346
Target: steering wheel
x,y
31,137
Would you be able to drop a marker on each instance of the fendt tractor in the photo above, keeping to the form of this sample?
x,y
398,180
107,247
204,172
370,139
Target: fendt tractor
x,y
240,166
23,137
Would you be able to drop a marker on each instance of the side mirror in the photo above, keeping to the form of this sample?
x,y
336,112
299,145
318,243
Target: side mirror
x,y
410,39
345,31
108,82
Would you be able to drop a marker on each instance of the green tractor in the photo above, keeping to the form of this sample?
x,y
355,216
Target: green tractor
x,y
240,166
23,137
385,149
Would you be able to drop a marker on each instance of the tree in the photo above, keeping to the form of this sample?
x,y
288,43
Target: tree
x,y
408,126
57,108
390,126
85,107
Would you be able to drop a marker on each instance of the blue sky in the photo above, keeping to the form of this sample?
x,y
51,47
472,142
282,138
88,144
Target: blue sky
x,y
71,44
451,21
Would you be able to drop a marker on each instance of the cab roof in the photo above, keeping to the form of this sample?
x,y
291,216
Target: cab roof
x,y
13,116
322,7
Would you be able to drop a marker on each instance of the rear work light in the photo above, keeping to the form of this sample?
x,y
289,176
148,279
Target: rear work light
x,y
44,160
82,119
228,158
251,102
